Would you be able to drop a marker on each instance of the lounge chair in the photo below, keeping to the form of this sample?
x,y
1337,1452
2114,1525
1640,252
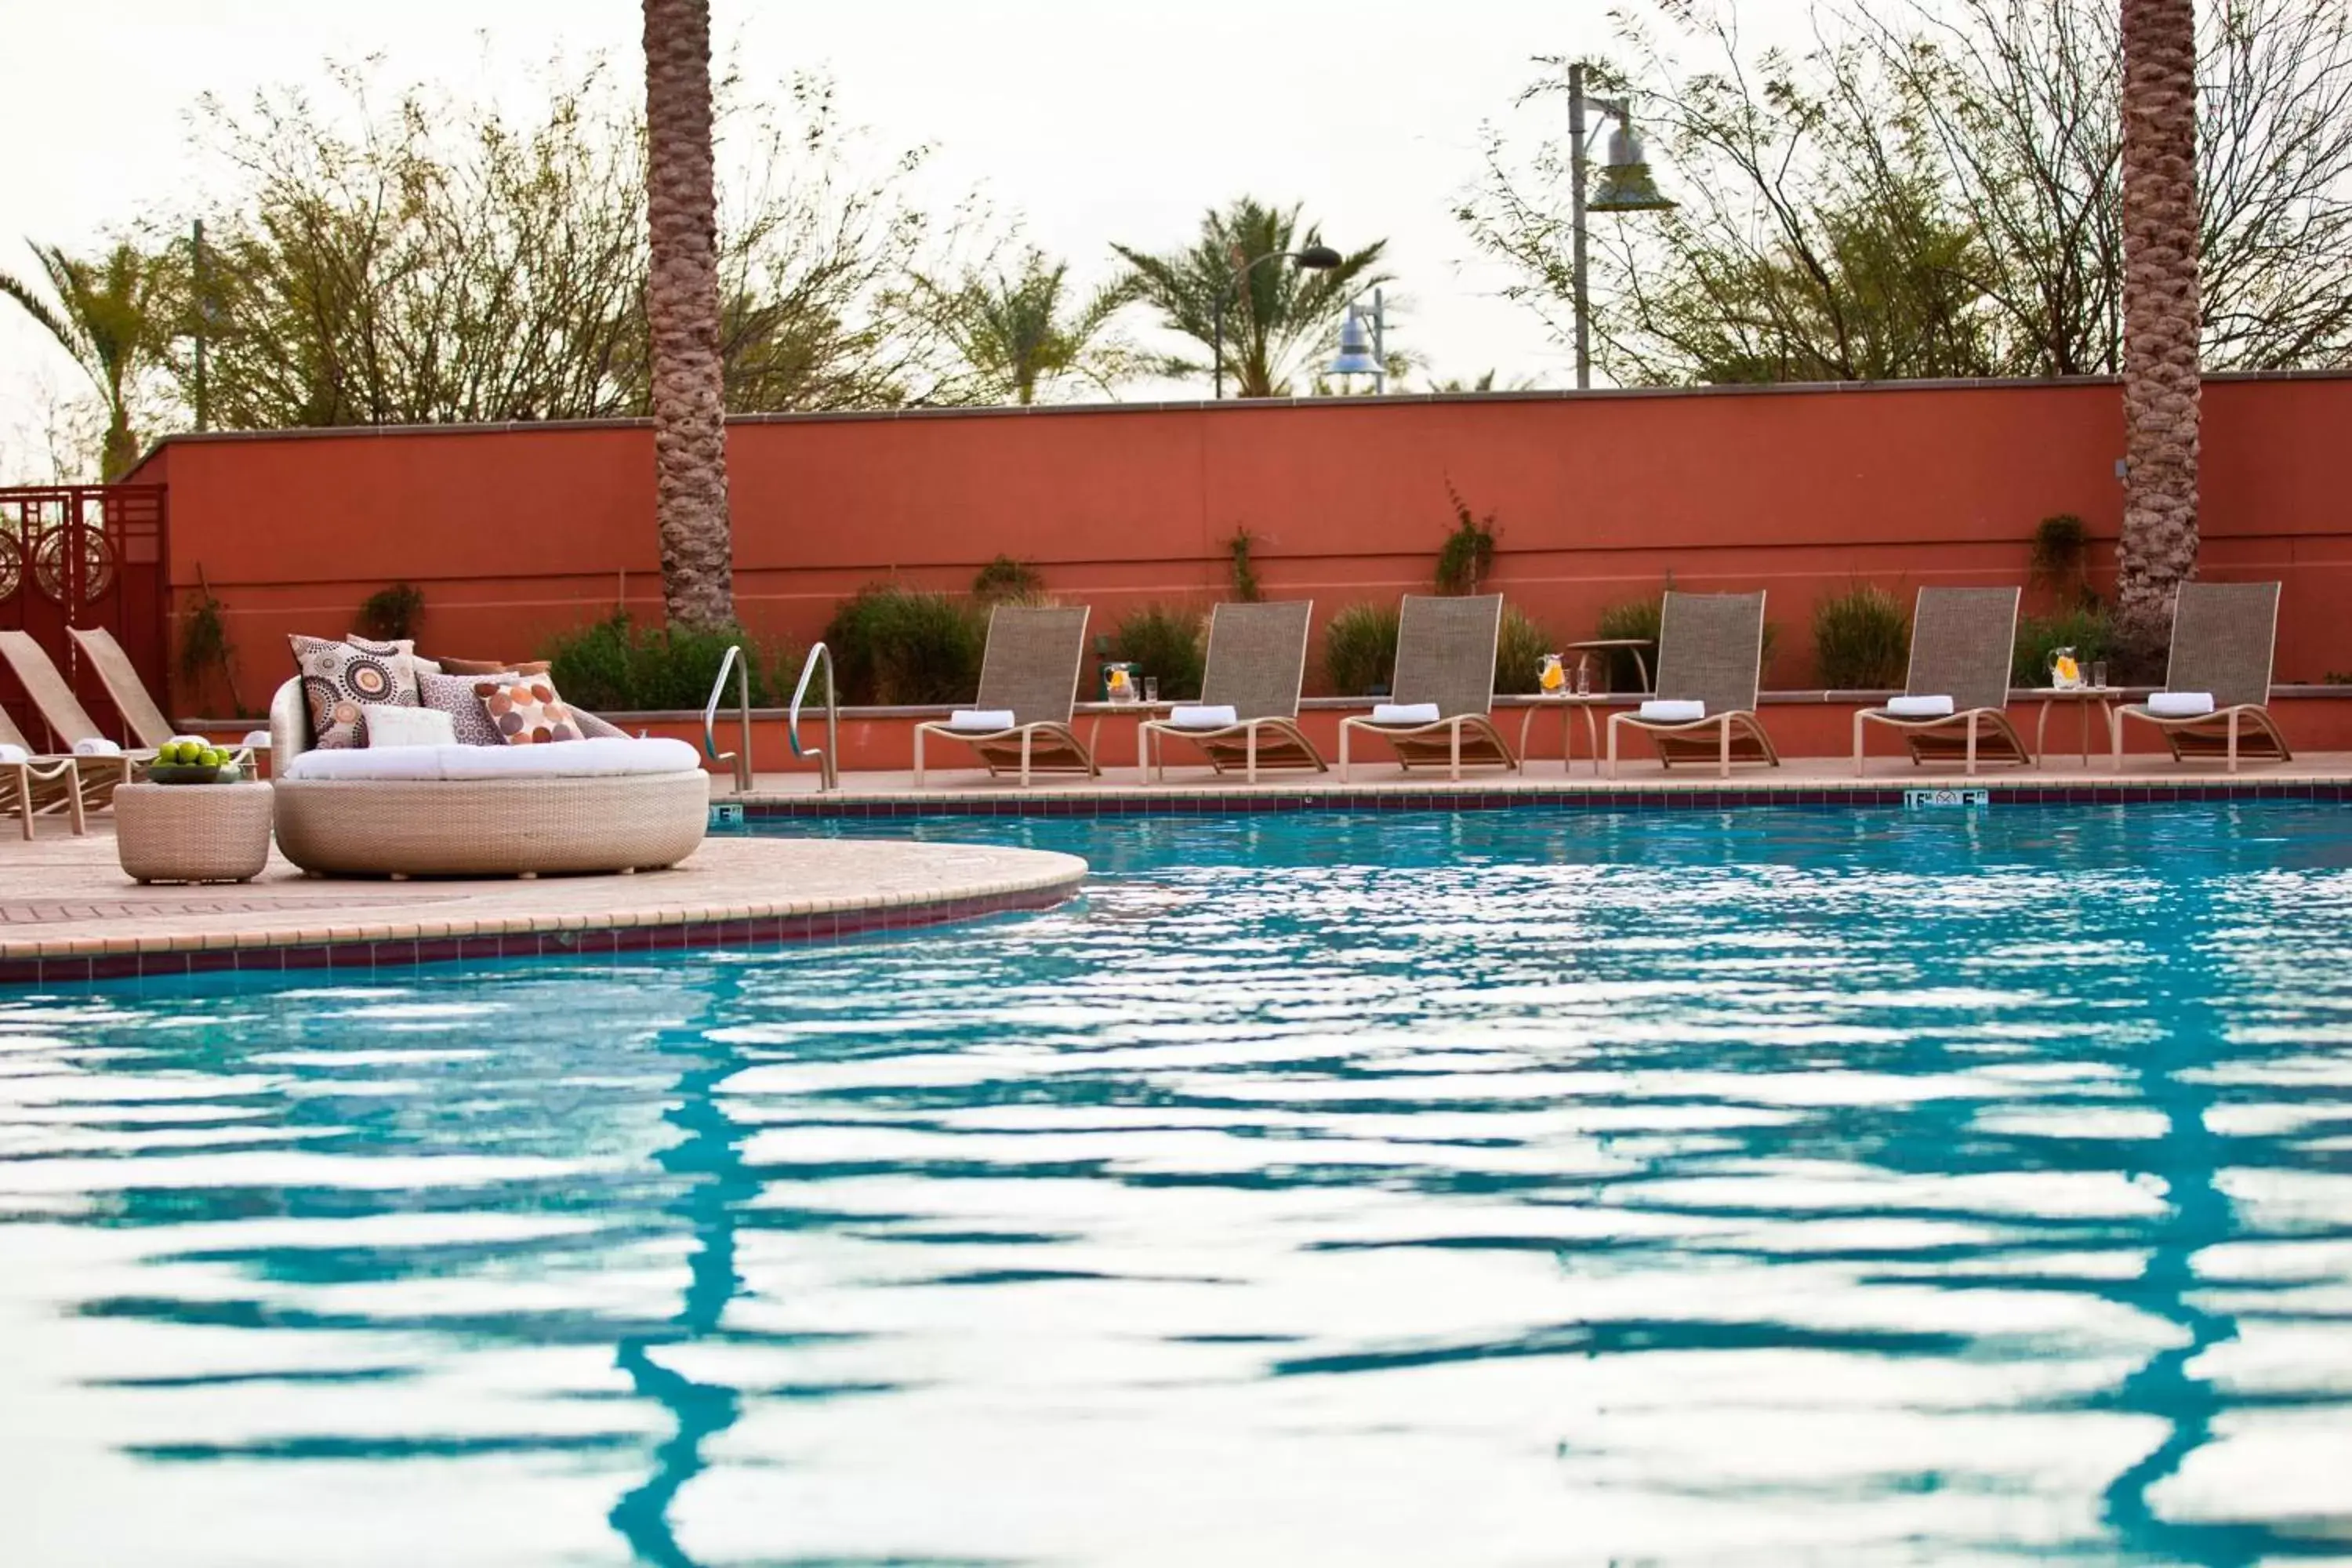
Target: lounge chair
x,y
1444,687
32,785
100,764
124,687
1710,658
1028,690
2217,684
1955,701
1248,713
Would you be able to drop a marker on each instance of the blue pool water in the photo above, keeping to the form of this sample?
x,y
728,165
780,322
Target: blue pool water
x,y
1501,1188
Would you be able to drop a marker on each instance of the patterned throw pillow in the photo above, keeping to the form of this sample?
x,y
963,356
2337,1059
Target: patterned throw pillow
x,y
527,710
484,667
340,680
456,696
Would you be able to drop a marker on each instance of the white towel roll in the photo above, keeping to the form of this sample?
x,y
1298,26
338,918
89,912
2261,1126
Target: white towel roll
x,y
257,740
96,746
1404,713
1216,716
1674,710
1920,707
984,721
2180,704
11,755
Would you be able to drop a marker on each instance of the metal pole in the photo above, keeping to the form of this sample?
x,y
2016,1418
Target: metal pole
x,y
1217,352
1576,220
1380,345
204,311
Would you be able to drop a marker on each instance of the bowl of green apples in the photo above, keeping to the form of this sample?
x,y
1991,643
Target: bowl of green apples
x,y
193,762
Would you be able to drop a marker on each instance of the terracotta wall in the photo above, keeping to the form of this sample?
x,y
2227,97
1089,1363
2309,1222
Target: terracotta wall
x,y
516,532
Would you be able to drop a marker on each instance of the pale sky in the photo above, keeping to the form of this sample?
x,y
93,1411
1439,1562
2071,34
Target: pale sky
x,y
1094,122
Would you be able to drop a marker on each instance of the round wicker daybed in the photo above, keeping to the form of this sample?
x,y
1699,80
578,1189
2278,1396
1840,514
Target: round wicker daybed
x,y
598,805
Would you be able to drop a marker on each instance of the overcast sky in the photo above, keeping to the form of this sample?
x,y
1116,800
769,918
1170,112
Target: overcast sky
x,y
1094,119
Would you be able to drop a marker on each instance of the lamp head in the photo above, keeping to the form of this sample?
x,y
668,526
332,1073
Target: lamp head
x,y
1626,185
1318,258
1355,349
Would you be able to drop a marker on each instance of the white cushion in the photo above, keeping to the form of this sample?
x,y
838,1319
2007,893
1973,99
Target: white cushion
x,y
1217,716
96,746
256,741
2180,704
389,726
1673,710
1920,707
565,759
1405,713
981,721
11,755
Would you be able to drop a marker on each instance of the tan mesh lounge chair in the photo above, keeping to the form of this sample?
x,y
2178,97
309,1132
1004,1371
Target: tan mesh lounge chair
x,y
1030,670
2223,636
1445,660
124,687
39,784
1257,661
1710,651
68,723
1963,640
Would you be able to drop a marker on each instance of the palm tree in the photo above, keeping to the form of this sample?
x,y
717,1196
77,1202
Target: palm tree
x,y
1022,333
111,316
682,313
1274,308
2162,319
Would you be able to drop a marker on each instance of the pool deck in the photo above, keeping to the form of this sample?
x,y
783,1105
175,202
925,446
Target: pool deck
x,y
67,913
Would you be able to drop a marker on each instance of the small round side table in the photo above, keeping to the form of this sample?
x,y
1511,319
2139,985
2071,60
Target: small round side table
x,y
193,833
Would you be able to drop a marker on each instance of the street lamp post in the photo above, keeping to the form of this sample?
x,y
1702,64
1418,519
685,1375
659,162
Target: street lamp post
x,y
1625,187
1313,259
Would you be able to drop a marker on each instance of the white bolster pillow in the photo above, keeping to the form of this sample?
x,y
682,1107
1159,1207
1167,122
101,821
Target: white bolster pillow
x,y
1404,713
11,755
1215,716
96,746
983,720
2180,704
1674,710
1920,707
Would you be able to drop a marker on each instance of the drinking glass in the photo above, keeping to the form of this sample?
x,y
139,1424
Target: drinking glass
x,y
2099,674
1151,689
1583,679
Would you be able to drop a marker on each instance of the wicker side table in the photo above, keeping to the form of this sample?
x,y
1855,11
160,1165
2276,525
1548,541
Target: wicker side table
x,y
193,833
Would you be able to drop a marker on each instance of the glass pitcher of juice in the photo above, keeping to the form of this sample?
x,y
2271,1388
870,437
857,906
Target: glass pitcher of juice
x,y
1550,677
1119,683
2065,670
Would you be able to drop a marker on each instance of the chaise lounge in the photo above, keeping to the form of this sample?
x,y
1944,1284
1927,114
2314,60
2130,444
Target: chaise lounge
x,y
2215,705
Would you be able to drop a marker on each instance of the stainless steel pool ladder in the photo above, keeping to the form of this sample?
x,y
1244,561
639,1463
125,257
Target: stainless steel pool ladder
x,y
741,757
827,770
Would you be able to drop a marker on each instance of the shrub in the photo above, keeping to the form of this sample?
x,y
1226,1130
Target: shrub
x,y
1163,641
1360,649
1861,639
893,645
1245,570
1467,555
1518,652
1007,581
615,665
1635,618
392,612
2085,630
2060,545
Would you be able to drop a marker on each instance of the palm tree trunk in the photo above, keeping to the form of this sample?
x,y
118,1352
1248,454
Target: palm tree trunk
x,y
2162,321
689,405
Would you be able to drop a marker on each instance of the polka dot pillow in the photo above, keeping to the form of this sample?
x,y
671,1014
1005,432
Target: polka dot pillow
x,y
527,710
340,681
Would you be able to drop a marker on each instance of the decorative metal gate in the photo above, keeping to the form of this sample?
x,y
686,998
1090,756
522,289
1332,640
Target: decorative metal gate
x,y
84,555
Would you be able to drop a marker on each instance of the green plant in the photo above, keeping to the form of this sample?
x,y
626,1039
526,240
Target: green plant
x,y
1634,620
204,638
1245,570
1162,641
615,665
2061,550
1468,554
1519,648
2339,678
1007,581
2086,630
1861,639
1360,650
392,612
893,645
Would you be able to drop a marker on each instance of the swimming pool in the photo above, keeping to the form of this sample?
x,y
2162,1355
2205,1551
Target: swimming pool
x,y
1501,1187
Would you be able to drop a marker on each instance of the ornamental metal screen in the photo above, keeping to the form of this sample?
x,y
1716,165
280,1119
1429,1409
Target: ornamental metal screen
x,y
84,555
